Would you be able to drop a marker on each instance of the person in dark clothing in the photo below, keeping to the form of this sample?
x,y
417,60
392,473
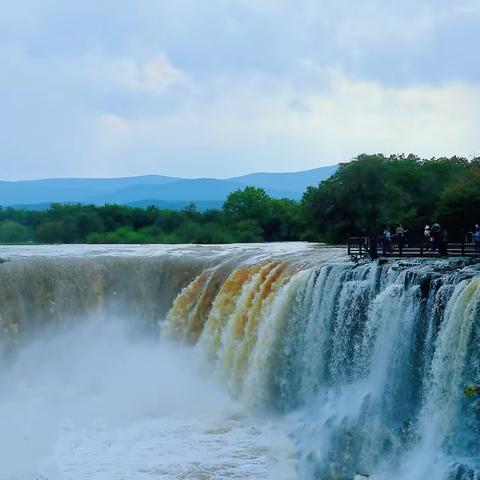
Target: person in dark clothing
x,y
400,232
435,233
476,238
372,247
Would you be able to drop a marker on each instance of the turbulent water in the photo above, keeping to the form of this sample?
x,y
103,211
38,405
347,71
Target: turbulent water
x,y
283,361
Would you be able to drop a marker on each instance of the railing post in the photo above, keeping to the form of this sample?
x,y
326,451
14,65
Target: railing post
x,y
348,246
360,245
463,247
421,249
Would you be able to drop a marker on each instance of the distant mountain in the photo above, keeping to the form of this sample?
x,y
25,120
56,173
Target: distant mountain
x,y
200,189
165,192
291,181
70,189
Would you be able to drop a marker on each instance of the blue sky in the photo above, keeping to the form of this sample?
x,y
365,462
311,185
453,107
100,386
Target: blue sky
x,y
224,87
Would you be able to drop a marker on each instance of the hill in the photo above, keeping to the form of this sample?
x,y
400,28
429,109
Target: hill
x,y
291,181
70,189
173,192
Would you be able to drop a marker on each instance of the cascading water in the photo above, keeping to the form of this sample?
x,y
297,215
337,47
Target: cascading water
x,y
368,363
375,356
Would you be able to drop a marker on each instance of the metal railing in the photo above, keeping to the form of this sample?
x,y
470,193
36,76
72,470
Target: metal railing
x,y
398,246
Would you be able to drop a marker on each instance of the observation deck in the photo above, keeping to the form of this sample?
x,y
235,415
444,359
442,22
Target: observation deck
x,y
361,247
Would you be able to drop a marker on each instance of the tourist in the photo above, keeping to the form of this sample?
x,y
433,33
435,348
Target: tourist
x,y
373,246
476,238
387,241
401,236
436,234
426,234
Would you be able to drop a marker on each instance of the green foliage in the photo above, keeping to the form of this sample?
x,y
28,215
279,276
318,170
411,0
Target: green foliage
x,y
374,191
471,390
248,204
249,215
54,232
363,196
258,217
460,201
121,235
13,232
352,200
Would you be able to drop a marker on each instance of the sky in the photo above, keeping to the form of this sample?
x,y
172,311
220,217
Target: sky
x,y
217,88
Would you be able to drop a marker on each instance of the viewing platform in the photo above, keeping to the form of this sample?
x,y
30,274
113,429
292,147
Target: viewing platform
x,y
359,247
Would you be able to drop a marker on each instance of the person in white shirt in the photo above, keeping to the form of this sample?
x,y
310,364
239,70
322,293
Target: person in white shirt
x,y
426,234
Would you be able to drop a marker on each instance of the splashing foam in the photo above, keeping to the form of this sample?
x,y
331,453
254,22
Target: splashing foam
x,y
99,401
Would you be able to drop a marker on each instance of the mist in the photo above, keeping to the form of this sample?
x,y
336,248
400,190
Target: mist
x,y
95,376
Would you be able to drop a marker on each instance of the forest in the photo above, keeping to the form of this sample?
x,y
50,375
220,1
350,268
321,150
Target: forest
x,y
365,195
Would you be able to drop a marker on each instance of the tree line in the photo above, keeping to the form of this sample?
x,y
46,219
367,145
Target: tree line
x,y
248,215
363,196
375,191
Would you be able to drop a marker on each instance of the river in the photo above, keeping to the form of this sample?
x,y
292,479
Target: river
x,y
275,361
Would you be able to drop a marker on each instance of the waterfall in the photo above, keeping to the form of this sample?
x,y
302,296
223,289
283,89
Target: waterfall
x,y
375,357
369,361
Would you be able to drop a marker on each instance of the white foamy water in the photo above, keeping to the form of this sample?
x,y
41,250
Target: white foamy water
x,y
98,402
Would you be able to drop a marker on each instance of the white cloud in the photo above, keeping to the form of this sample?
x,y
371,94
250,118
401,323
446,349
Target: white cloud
x,y
245,128
155,75
367,116
227,86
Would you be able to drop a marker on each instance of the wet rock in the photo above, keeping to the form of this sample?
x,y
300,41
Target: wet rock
x,y
425,283
463,472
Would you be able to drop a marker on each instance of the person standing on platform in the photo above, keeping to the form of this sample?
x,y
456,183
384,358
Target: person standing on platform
x,y
427,236
387,241
401,236
476,238
436,233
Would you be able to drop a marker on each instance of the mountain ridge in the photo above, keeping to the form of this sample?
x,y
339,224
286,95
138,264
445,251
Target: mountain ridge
x,y
38,194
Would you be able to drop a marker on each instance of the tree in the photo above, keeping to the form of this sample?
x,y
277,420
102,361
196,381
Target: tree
x,y
352,201
51,232
13,232
459,202
87,222
249,204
